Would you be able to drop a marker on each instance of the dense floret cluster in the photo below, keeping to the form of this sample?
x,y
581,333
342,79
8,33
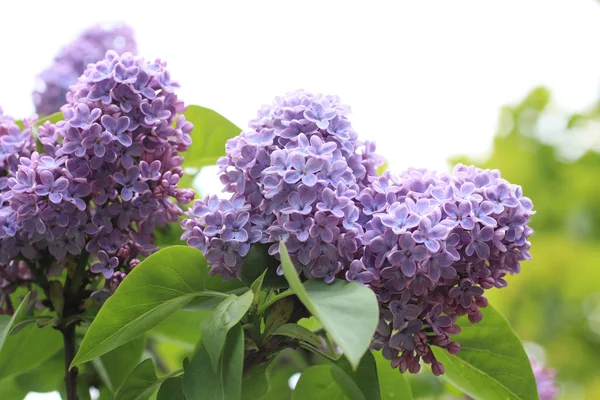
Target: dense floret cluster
x,y
108,173
428,244
295,176
72,60
434,244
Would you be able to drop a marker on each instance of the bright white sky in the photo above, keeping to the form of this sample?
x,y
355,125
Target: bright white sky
x,y
424,79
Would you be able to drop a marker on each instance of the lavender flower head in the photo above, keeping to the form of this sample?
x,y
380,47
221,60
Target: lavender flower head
x,y
73,59
107,176
294,176
14,143
434,244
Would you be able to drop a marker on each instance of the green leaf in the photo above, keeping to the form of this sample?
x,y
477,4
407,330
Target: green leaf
x,y
182,327
201,381
224,317
364,379
45,377
152,292
296,331
11,390
211,132
348,310
171,389
140,383
257,262
492,363
255,384
7,324
317,383
114,366
28,349
392,384
278,314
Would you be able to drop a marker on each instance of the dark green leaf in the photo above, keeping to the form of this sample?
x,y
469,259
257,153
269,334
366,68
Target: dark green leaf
x,y
211,132
201,381
348,310
257,262
364,378
181,327
492,363
9,389
153,291
27,349
45,377
224,317
140,383
287,363
171,389
296,331
255,384
7,324
278,314
317,383
392,384
114,366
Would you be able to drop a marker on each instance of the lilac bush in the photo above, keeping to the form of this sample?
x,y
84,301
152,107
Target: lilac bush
x,y
73,59
428,244
106,178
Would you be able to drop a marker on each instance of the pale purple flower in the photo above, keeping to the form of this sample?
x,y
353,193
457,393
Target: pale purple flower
x,y
234,227
84,117
50,187
117,127
479,237
459,215
130,183
105,265
302,170
399,218
299,225
358,273
332,203
150,172
301,201
97,139
430,234
407,255
155,112
320,115
319,149
325,227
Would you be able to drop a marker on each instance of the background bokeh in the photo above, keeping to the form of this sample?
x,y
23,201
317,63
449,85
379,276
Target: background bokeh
x,y
511,85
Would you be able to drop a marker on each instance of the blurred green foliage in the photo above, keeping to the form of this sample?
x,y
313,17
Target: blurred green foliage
x,y
552,301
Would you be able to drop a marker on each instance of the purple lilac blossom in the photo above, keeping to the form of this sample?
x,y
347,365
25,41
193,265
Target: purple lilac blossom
x,y
465,235
296,173
102,185
73,59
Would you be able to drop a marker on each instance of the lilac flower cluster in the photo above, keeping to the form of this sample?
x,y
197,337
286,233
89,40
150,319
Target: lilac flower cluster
x,y
73,59
108,174
14,143
428,244
434,244
295,176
